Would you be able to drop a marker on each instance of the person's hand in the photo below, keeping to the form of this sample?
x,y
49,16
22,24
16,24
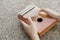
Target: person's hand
x,y
51,13
31,29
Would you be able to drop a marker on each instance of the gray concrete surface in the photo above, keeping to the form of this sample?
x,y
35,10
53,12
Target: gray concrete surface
x,y
10,27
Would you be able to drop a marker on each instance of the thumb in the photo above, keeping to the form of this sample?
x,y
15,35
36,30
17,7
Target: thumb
x,y
30,20
24,24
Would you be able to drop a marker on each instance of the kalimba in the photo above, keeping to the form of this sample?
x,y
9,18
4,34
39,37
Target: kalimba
x,y
42,20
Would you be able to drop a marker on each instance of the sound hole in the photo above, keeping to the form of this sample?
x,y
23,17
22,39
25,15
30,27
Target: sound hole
x,y
39,19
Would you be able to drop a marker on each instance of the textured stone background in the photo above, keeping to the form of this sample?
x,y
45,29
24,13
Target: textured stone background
x,y
10,28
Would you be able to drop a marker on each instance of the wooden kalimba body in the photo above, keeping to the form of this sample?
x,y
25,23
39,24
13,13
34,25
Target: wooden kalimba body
x,y
42,20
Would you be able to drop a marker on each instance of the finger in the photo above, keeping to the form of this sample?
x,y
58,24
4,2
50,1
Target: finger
x,y
25,25
42,9
30,20
45,10
48,11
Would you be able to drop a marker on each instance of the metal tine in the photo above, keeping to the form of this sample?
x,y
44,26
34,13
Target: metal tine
x,y
22,12
26,10
32,13
36,12
29,9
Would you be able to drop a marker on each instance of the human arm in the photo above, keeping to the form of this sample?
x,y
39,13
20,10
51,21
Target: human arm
x,y
31,29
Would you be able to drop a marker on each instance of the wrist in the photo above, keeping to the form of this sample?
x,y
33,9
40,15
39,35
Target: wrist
x,y
35,37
